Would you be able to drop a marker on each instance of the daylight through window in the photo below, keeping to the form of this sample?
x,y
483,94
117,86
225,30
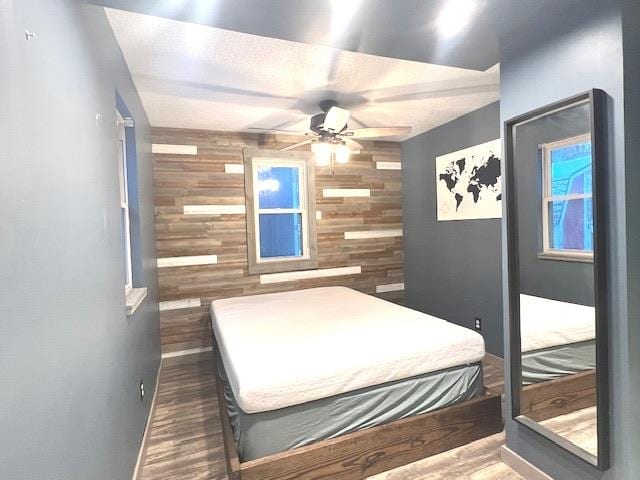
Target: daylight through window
x,y
567,204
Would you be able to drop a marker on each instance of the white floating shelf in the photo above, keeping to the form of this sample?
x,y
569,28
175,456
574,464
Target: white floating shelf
x,y
389,287
307,274
389,165
214,209
187,261
372,234
191,351
233,168
174,149
178,304
346,192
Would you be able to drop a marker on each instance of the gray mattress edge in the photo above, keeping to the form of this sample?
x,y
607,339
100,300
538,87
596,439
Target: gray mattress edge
x,y
261,434
558,361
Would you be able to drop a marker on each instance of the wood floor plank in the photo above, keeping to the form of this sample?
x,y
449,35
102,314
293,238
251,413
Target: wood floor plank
x,y
493,369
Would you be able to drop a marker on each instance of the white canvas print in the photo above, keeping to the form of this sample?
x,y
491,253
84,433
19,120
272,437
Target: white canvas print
x,y
469,183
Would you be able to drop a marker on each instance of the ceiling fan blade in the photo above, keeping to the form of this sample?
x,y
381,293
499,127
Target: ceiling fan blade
x,y
376,132
296,145
336,119
442,93
353,145
277,131
357,120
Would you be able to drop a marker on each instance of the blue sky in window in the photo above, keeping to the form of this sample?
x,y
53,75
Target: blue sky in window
x,y
278,187
571,169
280,235
572,220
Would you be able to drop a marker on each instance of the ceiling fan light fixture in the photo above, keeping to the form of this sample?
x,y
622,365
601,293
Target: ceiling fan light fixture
x,y
322,152
342,153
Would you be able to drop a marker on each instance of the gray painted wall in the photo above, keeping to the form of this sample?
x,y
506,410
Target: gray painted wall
x,y
452,269
70,359
630,343
547,55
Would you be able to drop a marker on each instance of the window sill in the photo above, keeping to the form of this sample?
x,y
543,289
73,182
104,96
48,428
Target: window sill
x,y
282,266
134,299
566,257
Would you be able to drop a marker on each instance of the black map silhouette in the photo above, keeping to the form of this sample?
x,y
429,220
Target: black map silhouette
x,y
482,178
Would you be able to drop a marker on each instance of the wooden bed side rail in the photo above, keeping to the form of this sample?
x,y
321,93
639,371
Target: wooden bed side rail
x,y
358,455
544,400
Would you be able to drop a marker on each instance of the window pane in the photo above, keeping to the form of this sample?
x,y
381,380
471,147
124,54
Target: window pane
x,y
571,169
571,224
281,235
278,187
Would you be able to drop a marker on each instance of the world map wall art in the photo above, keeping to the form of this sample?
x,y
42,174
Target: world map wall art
x,y
469,183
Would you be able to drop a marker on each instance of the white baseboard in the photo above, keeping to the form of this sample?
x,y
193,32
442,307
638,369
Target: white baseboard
x,y
143,445
521,466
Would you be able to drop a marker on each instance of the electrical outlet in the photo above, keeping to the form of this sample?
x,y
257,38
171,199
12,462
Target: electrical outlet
x,y
478,324
141,390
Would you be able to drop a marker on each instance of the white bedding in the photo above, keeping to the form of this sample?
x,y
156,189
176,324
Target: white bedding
x,y
546,323
289,348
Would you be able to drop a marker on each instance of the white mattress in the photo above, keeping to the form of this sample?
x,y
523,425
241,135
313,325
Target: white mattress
x,y
546,323
284,349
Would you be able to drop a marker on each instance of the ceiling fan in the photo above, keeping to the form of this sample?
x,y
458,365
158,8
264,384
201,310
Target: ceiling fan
x,y
332,139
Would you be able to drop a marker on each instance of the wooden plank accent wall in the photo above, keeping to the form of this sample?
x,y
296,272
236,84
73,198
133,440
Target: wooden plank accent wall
x,y
209,178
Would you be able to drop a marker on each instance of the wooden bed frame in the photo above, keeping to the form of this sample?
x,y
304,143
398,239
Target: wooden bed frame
x,y
544,400
357,455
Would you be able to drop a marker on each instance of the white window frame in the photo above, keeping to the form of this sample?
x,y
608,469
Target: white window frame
x,y
255,158
124,201
548,198
303,209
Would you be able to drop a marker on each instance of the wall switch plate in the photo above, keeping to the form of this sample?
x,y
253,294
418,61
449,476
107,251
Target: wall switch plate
x,y
141,390
478,324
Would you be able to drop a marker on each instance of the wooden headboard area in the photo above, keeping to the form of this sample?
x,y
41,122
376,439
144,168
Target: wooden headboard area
x,y
202,252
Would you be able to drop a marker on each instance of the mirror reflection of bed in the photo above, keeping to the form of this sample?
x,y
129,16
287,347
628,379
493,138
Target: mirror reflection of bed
x,y
558,368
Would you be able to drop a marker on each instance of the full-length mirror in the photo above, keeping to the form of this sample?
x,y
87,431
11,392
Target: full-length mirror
x,y
555,175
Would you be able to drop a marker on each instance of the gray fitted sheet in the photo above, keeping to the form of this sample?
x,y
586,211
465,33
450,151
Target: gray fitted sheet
x,y
265,433
560,361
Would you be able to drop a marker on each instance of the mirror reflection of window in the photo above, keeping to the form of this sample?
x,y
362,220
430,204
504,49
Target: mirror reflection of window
x,y
567,205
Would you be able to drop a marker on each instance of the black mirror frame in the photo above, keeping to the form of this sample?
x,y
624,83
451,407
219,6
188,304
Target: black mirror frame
x,y
596,99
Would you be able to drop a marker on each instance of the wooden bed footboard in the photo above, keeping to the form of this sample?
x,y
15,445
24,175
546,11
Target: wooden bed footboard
x,y
544,400
358,455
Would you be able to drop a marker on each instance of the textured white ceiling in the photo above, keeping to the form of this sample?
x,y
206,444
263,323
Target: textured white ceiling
x,y
194,76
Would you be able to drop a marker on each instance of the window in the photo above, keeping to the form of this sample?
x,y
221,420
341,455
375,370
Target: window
x,y
567,204
281,231
125,153
124,204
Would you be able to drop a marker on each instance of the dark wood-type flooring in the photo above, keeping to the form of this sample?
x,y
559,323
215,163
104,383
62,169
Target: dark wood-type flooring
x,y
185,439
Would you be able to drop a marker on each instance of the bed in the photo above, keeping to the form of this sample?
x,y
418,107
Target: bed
x,y
330,369
558,356
558,338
